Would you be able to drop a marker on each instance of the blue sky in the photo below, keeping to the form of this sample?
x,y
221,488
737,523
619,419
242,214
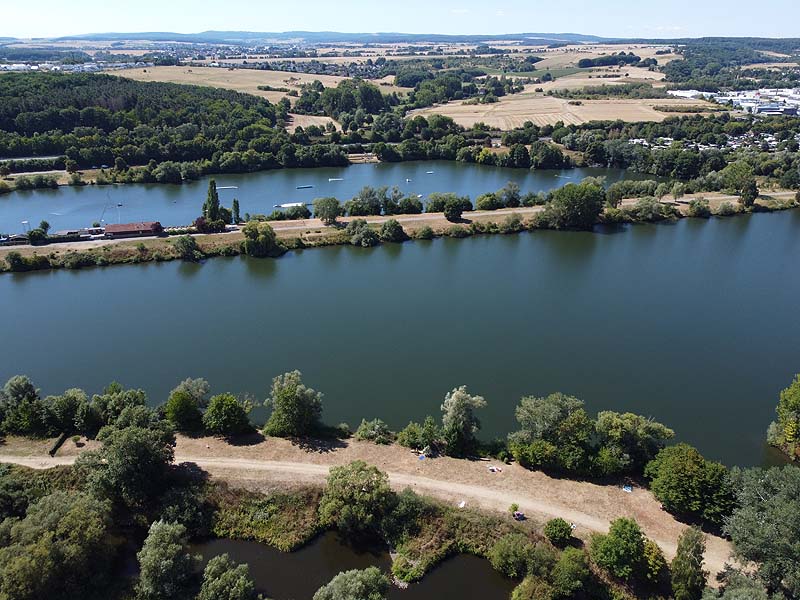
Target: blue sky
x,y
623,18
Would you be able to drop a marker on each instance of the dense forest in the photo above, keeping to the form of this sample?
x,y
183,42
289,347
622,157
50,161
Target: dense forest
x,y
99,119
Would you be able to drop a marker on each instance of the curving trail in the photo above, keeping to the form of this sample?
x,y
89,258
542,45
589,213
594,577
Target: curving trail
x,y
589,506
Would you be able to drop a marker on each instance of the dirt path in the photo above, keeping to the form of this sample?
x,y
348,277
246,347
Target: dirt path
x,y
267,463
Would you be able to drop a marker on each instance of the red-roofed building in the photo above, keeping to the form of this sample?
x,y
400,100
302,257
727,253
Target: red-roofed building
x,y
133,229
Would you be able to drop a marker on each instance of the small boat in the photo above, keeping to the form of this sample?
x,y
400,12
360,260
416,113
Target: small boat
x,y
304,187
419,195
335,179
408,180
228,187
290,205
428,172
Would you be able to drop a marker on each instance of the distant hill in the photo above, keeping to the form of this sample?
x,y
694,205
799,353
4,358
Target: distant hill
x,y
238,37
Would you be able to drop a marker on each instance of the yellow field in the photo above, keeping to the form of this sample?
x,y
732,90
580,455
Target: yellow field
x,y
306,120
512,111
240,80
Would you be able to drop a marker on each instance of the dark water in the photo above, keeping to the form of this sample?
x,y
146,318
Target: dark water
x,y
260,192
297,575
694,323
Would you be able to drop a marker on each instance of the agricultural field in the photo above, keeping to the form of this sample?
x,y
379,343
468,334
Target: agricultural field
x,y
513,111
240,80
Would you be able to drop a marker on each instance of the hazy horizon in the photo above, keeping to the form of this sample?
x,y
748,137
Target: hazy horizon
x,y
614,18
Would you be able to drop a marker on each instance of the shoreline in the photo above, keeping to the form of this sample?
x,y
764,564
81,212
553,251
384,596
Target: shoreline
x,y
312,233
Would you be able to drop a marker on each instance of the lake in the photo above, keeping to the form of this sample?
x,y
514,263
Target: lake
x,y
694,323
297,575
73,207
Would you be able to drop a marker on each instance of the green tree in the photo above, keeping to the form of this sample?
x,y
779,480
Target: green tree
x,y
327,210
654,563
260,240
211,205
235,212
21,408
356,499
621,551
226,416
186,247
296,409
183,412
223,579
511,554
749,193
61,549
453,209
198,389
558,531
61,411
392,231
459,423
785,434
44,226
571,573
575,206
635,439
688,576
765,526
368,584
165,566
688,484
132,466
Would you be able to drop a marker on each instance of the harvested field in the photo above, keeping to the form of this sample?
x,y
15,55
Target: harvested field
x,y
240,80
306,120
512,111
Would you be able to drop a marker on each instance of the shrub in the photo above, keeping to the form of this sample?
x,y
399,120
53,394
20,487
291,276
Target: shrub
x,y
186,248
511,554
392,231
533,588
361,234
374,431
457,231
699,207
726,209
558,531
424,233
411,436
183,412
488,201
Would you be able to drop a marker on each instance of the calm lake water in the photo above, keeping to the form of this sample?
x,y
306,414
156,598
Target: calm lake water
x,y
72,207
297,575
693,323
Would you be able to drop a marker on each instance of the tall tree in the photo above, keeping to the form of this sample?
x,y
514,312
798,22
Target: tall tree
x,y
223,579
459,423
688,576
211,206
765,528
235,211
296,409
165,566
